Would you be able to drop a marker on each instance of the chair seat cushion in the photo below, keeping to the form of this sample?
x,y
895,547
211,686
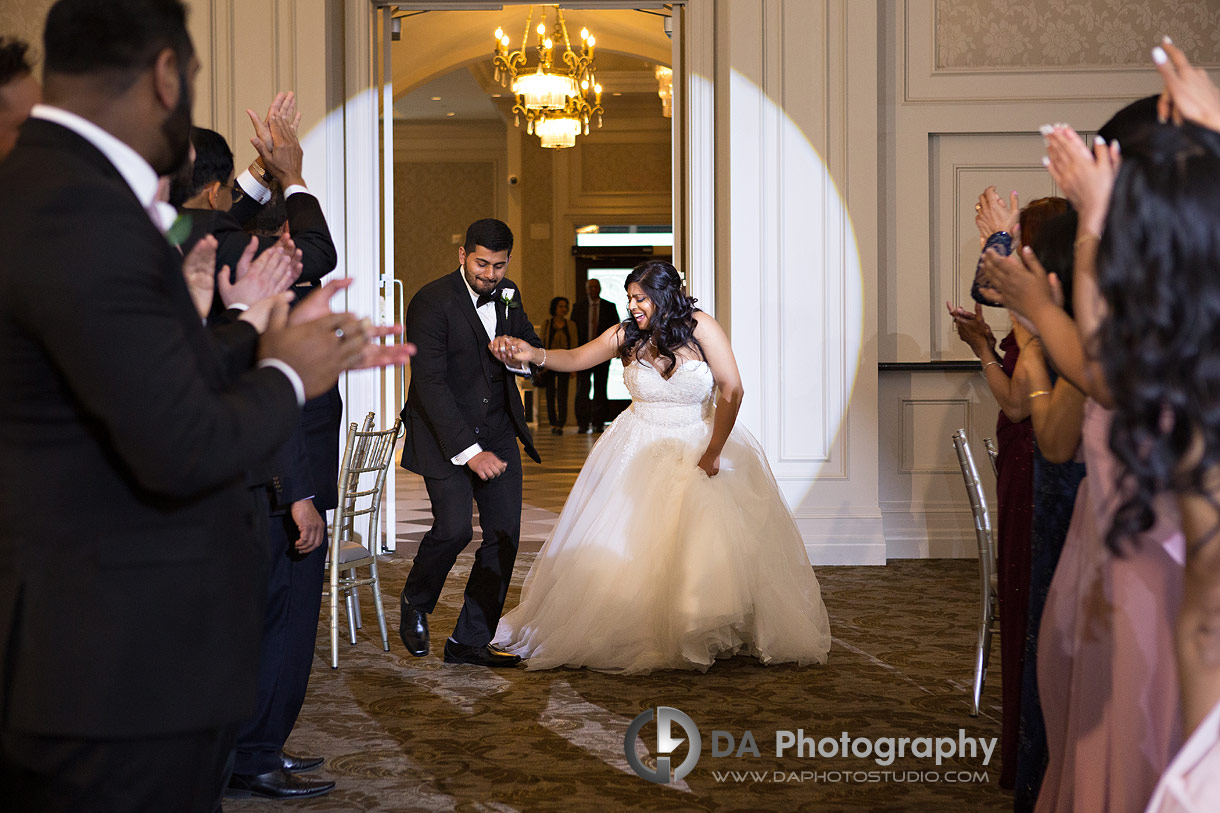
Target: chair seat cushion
x,y
352,551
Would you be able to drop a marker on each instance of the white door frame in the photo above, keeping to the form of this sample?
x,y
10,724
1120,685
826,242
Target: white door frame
x,y
369,216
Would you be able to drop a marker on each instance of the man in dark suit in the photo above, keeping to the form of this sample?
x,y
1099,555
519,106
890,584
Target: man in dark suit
x,y
131,582
220,206
593,316
463,417
303,488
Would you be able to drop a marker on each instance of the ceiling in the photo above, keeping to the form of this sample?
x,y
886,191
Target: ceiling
x,y
447,54
471,93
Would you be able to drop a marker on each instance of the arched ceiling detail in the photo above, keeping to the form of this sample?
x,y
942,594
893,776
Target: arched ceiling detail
x,y
438,42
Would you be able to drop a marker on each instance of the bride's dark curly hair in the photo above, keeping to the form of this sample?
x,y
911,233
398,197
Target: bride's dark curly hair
x,y
1159,271
672,325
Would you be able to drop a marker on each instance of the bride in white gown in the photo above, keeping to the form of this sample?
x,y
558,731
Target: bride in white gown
x,y
675,546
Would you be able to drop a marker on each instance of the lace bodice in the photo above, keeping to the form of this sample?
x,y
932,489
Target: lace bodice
x,y
681,399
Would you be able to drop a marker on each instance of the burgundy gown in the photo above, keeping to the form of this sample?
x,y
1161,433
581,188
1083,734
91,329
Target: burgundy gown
x,y
1015,495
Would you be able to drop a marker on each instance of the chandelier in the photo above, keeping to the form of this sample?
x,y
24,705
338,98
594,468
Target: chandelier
x,y
553,98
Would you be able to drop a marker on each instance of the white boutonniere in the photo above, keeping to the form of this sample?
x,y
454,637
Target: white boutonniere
x,y
508,296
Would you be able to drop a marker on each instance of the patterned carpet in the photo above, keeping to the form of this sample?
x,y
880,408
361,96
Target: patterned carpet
x,y
401,733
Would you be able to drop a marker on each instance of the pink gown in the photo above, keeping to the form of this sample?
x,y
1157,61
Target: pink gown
x,y
1106,669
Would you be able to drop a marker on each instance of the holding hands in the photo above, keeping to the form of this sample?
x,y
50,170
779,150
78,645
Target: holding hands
x,y
510,350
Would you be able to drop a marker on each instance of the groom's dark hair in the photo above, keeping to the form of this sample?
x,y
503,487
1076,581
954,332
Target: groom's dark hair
x,y
491,234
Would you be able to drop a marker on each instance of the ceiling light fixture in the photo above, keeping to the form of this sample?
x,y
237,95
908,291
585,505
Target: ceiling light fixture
x,y
553,99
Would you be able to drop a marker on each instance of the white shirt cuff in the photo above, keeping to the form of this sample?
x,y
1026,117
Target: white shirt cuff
x,y
524,369
238,306
293,378
250,185
463,457
292,190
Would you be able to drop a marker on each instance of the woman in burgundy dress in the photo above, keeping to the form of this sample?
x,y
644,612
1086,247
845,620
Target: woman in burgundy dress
x,y
1015,446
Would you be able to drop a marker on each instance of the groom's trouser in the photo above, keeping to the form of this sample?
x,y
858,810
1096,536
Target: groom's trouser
x,y
499,502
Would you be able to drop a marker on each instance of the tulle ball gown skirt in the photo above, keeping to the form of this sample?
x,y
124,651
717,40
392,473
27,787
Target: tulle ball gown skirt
x,y
654,565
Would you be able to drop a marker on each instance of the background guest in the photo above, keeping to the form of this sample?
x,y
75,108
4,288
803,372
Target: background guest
x,y
592,316
557,331
997,223
1056,412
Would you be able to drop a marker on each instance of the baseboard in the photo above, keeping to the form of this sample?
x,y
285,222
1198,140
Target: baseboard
x,y
929,530
843,540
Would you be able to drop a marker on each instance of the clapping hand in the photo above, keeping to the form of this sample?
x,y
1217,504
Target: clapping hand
x,y
275,139
199,269
994,214
1021,284
972,328
316,307
1085,176
1189,93
257,278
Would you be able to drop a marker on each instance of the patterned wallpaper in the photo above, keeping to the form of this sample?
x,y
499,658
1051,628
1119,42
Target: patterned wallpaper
x,y
432,202
24,19
533,260
1071,33
625,168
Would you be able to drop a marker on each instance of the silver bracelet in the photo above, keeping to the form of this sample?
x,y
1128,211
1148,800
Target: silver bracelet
x,y
988,364
543,362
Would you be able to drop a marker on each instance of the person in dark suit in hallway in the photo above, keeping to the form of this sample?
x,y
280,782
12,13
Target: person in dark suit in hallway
x,y
131,581
593,316
463,418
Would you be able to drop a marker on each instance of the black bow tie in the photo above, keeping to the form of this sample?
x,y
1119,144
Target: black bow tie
x,y
486,298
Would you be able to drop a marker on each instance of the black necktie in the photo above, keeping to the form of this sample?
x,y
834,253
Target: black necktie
x,y
485,298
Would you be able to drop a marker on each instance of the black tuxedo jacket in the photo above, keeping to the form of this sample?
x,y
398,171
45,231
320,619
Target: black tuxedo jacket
x,y
131,580
451,374
607,317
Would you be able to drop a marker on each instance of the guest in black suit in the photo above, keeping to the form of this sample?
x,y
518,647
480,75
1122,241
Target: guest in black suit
x,y
463,418
131,583
19,91
220,206
303,488
593,317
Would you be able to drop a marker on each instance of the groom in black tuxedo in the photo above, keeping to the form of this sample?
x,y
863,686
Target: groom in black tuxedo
x,y
463,417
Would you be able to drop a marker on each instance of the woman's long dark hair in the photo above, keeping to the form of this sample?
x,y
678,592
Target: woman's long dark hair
x,y
672,324
1054,247
1159,272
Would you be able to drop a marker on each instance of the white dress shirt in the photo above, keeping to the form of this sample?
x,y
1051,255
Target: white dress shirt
x,y
142,179
253,187
487,315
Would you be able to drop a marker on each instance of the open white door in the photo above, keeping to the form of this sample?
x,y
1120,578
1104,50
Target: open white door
x,y
393,379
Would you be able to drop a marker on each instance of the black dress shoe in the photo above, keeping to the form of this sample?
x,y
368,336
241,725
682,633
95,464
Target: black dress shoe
x,y
486,655
583,429
295,764
556,430
413,629
277,784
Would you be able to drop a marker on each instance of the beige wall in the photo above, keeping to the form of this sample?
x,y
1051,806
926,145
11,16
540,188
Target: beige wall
x,y
24,19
